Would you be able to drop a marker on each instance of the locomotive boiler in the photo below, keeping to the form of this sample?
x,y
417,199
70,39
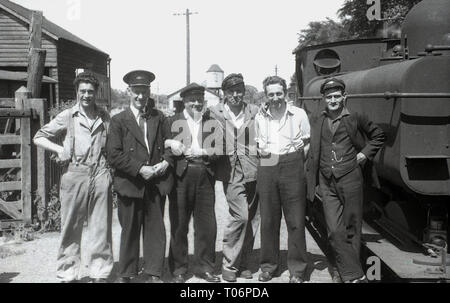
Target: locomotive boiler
x,y
403,85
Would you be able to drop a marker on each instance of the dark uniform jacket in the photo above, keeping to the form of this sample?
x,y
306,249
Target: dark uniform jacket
x,y
239,145
366,137
211,135
127,152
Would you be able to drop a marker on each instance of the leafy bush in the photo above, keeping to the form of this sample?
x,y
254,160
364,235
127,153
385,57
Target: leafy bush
x,y
49,218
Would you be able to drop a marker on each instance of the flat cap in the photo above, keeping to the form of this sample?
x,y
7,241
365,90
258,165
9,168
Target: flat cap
x,y
139,78
192,89
232,80
332,83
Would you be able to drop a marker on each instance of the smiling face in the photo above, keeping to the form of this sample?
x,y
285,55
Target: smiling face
x,y
234,95
86,94
194,104
334,99
276,95
139,96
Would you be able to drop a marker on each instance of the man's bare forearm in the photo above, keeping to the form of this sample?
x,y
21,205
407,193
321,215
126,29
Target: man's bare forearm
x,y
48,145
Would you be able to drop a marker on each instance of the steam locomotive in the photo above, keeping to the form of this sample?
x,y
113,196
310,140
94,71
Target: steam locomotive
x,y
403,85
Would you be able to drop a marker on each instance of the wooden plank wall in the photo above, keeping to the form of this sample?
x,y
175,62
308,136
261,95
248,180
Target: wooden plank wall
x,y
72,56
14,42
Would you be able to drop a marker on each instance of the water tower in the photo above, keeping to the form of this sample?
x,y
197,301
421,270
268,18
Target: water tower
x,y
214,78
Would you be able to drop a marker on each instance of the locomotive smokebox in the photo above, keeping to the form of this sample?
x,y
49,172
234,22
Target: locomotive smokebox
x,y
427,23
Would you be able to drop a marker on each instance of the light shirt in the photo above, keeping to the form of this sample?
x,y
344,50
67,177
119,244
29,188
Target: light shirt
x,y
87,139
282,136
194,127
238,120
136,114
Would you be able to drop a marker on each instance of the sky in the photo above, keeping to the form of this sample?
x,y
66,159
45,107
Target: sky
x,y
241,36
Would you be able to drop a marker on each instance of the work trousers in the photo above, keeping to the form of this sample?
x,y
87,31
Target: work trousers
x,y
282,187
145,214
342,200
194,196
242,221
85,195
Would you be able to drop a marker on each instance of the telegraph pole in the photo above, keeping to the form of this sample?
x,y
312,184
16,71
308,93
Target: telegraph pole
x,y
276,70
188,42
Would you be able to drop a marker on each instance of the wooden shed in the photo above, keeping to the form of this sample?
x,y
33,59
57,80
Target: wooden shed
x,y
65,53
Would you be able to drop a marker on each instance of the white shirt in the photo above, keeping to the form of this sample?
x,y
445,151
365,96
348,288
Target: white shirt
x,y
136,115
194,127
285,135
238,120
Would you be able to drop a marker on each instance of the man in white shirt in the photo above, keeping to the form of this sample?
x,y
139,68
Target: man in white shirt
x,y
282,135
193,144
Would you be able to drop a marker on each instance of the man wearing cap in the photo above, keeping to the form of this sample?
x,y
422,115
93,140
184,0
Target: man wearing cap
x,y
194,139
338,151
282,134
141,179
85,191
237,171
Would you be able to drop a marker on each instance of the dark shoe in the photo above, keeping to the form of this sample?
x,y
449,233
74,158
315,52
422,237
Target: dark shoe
x,y
179,279
153,279
123,280
99,280
296,279
265,276
335,276
209,277
246,274
228,275
70,281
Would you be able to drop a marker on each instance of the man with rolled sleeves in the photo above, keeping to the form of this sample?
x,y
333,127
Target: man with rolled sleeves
x,y
194,138
85,191
282,134
338,151
141,179
237,171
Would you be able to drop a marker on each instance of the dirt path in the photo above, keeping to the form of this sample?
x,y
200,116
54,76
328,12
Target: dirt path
x,y
34,262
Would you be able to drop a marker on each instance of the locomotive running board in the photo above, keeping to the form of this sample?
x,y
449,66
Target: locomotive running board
x,y
400,262
380,243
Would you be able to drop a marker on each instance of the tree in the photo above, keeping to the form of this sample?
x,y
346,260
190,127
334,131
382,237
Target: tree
x,y
319,32
353,16
119,98
252,96
353,22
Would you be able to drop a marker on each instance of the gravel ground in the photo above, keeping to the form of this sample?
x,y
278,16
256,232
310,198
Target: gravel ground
x,y
34,261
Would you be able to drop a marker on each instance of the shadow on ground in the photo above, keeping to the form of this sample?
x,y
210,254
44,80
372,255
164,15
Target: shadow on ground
x,y
7,277
316,262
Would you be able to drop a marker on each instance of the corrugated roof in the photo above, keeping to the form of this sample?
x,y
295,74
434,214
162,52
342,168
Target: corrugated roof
x,y
215,68
47,25
21,76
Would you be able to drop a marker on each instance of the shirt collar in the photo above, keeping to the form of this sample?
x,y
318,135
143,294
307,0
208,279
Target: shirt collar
x,y
135,111
289,110
100,112
189,118
242,112
344,113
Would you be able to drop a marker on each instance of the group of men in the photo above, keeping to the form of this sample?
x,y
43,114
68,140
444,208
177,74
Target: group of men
x,y
269,159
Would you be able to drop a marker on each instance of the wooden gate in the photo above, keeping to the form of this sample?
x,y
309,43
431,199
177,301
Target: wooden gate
x,y
22,166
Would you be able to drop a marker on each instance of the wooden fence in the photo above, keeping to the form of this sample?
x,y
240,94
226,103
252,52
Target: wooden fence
x,y
23,168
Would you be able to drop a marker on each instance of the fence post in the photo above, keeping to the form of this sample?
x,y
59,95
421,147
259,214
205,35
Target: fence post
x,y
42,164
22,102
36,56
